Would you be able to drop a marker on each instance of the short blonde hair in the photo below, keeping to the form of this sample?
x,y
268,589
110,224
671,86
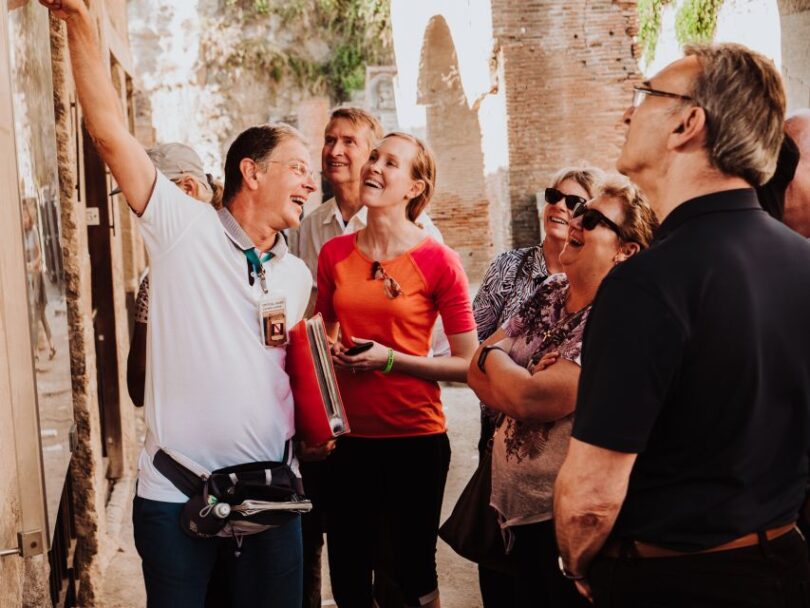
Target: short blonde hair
x,y
423,167
362,118
639,222
743,97
588,177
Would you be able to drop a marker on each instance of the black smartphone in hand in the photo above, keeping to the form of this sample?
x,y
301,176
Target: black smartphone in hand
x,y
359,347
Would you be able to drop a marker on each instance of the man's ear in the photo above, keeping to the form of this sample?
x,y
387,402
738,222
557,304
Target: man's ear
x,y
627,250
249,170
690,129
189,185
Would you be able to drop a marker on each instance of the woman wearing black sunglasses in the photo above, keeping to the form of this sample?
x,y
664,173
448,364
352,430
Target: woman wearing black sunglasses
x,y
528,371
510,280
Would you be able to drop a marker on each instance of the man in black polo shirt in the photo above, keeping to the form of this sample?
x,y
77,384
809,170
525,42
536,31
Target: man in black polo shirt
x,y
688,462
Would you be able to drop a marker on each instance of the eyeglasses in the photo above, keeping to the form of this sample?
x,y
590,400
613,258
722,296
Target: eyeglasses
x,y
298,168
390,285
554,196
639,93
591,218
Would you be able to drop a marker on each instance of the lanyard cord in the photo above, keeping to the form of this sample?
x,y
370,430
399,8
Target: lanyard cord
x,y
243,242
258,265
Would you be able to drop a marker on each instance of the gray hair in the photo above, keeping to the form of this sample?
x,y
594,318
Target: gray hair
x,y
743,97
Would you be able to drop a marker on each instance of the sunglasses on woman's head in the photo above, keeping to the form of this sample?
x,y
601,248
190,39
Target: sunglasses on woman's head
x,y
591,218
554,196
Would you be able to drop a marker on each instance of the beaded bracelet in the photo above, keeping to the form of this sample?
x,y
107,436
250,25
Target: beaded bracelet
x,y
390,363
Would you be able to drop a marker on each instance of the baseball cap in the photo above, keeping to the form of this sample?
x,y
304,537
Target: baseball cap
x,y
175,160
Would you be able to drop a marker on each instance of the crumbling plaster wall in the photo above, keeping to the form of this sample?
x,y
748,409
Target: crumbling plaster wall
x,y
180,52
89,483
447,89
549,81
459,207
795,22
96,543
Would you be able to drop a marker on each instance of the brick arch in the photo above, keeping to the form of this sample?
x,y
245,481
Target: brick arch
x,y
794,17
460,207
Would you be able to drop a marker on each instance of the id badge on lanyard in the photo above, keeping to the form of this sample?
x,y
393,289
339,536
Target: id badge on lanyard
x,y
272,314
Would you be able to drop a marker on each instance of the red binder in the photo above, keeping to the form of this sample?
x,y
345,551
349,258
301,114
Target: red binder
x,y
319,413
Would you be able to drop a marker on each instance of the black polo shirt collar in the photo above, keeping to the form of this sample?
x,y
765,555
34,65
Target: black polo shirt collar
x,y
739,199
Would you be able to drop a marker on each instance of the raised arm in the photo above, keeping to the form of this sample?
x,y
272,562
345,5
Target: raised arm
x,y
117,147
588,494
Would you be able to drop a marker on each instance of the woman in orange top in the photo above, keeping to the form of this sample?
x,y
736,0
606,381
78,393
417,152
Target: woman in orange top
x,y
386,285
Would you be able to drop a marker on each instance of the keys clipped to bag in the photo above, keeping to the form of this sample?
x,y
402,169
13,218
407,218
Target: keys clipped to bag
x,y
273,319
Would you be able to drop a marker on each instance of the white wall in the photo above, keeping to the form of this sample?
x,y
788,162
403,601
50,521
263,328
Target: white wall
x,y
470,23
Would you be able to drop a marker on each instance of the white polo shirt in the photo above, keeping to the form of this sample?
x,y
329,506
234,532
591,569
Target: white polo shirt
x,y
214,392
326,222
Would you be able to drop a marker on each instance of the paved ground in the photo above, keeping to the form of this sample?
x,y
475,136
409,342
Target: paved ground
x,y
458,579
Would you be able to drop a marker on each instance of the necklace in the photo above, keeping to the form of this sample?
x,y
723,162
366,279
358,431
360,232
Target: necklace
x,y
554,335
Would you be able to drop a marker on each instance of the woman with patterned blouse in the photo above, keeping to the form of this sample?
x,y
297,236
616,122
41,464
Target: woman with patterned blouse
x,y
511,279
514,275
529,369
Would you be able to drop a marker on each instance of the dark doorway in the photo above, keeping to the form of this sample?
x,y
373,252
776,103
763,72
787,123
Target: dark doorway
x,y
98,240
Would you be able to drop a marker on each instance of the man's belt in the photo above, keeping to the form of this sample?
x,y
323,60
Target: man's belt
x,y
636,549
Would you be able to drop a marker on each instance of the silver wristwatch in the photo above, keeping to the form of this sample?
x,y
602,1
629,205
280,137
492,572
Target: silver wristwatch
x,y
569,575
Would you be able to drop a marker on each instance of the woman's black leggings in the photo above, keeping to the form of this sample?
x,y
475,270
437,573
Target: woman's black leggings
x,y
384,503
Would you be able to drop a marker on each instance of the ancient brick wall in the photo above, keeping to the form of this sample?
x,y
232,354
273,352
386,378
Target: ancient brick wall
x,y
568,71
448,91
459,207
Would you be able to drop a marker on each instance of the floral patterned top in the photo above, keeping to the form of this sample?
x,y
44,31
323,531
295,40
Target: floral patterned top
x,y
526,456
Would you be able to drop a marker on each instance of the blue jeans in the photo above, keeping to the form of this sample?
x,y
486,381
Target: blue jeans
x,y
177,568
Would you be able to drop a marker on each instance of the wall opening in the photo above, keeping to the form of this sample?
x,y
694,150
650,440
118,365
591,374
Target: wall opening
x,y
460,207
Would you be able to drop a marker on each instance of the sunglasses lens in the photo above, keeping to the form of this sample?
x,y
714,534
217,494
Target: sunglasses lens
x,y
572,200
590,219
553,195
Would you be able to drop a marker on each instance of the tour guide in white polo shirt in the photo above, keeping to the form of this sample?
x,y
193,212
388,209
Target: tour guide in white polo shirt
x,y
214,392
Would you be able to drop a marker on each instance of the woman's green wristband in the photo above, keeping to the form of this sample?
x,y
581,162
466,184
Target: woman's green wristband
x,y
389,365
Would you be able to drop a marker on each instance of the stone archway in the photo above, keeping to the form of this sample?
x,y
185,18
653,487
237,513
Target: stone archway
x,y
794,16
460,206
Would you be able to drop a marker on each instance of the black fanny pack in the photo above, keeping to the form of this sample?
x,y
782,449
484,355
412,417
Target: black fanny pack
x,y
238,500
